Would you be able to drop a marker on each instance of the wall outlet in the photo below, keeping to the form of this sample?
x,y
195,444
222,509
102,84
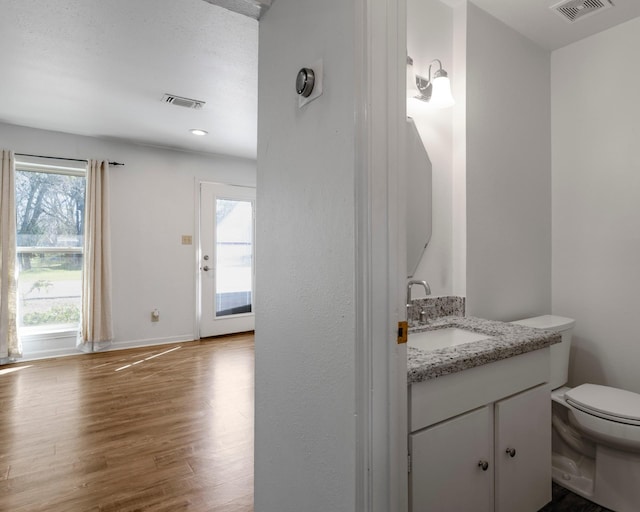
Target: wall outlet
x,y
186,240
155,315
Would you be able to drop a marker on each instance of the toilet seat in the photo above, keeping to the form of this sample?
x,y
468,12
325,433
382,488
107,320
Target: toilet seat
x,y
607,415
605,402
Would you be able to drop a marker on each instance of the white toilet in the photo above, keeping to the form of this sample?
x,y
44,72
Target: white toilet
x,y
596,431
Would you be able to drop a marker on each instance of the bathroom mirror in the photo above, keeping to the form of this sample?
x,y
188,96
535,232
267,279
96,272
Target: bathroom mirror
x,y
418,198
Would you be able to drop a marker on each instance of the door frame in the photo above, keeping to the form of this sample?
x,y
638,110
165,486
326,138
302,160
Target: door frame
x,y
381,374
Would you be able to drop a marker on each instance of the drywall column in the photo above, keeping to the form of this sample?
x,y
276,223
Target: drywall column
x,y
305,456
331,390
596,193
508,172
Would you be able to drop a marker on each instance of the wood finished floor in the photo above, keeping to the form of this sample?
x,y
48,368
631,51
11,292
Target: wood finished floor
x,y
156,429
165,428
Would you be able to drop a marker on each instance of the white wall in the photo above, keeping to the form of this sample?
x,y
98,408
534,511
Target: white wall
x,y
305,302
429,37
596,203
153,203
508,172
459,159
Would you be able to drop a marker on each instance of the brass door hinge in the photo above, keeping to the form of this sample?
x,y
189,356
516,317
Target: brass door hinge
x,y
403,332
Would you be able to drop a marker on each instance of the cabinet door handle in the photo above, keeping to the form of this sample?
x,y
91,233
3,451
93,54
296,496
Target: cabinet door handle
x,y
511,452
483,464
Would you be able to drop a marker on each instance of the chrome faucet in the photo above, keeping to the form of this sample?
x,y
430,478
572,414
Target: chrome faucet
x,y
427,290
411,282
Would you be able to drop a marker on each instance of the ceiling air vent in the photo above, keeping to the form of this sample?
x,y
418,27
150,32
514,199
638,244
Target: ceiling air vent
x,y
182,102
573,10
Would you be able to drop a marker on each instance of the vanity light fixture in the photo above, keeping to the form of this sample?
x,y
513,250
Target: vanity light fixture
x,y
412,89
196,131
436,91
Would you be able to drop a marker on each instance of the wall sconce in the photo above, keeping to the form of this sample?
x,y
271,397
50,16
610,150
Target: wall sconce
x,y
436,91
412,89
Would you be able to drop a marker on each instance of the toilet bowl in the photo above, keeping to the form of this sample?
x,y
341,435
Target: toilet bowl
x,y
596,431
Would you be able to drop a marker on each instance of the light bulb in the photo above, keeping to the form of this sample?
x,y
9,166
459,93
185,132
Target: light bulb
x,y
441,95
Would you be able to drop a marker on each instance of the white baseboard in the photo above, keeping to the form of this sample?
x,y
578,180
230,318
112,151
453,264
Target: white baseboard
x,y
119,345
66,346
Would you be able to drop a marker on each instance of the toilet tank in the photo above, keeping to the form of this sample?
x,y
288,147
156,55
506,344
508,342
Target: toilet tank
x,y
559,351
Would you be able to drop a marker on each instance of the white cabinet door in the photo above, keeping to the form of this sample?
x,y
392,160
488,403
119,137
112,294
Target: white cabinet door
x,y
446,476
523,451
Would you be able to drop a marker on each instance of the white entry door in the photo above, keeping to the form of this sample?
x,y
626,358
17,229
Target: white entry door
x,y
227,276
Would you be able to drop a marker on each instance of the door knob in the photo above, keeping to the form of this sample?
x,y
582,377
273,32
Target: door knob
x,y
483,464
206,268
511,452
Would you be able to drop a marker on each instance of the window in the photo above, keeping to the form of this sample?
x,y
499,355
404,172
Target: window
x,y
50,227
234,256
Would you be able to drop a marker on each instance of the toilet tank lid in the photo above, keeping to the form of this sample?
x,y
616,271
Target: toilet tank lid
x,y
550,322
613,403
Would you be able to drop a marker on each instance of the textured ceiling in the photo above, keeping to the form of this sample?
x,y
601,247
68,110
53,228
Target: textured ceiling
x,y
253,8
101,67
536,21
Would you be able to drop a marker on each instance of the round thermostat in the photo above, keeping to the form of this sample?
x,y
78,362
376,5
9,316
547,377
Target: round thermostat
x,y
304,82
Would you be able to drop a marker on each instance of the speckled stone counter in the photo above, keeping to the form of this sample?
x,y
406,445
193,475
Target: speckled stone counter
x,y
504,340
434,307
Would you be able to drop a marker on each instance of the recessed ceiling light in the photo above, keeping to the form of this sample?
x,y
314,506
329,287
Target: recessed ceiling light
x,y
198,132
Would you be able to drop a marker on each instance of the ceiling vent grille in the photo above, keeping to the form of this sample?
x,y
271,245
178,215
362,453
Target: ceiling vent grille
x,y
573,10
182,102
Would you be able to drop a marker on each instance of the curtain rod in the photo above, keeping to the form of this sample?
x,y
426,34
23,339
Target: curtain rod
x,y
68,159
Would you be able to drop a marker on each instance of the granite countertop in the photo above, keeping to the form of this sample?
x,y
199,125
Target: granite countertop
x,y
504,340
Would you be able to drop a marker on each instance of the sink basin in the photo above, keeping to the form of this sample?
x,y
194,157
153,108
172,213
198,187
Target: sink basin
x,y
444,338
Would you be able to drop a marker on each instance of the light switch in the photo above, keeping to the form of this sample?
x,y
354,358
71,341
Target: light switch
x,y
186,239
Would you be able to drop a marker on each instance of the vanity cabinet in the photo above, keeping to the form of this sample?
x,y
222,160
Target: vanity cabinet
x,y
493,456
523,451
445,472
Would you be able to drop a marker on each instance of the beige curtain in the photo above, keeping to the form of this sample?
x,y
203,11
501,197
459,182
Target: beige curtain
x,y
9,343
97,325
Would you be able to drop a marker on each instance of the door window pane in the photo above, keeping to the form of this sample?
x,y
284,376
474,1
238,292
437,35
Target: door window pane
x,y
50,227
234,257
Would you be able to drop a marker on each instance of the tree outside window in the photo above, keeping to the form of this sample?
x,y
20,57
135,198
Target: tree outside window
x,y
50,227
